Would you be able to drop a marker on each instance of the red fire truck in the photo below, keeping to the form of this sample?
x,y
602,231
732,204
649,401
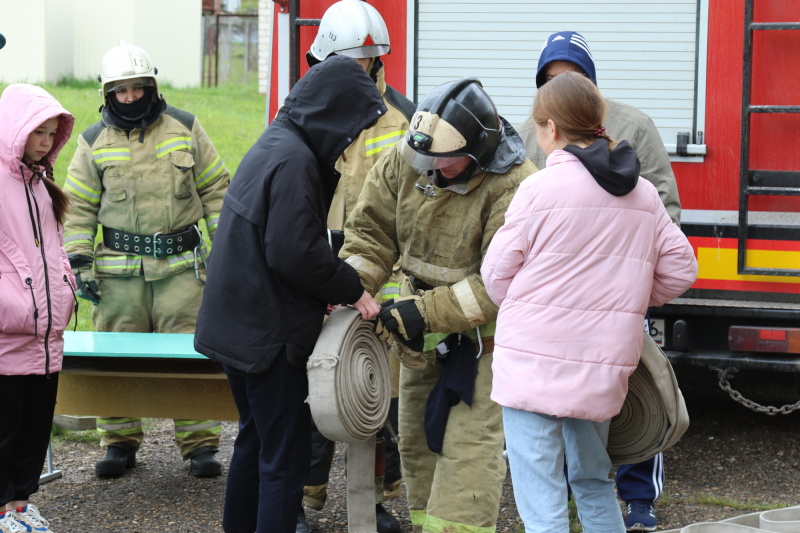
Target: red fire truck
x,y
720,78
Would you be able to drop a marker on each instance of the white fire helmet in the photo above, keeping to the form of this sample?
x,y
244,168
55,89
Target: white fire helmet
x,y
351,28
126,65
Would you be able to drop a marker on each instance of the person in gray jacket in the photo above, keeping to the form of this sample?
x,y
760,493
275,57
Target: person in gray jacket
x,y
640,484
568,50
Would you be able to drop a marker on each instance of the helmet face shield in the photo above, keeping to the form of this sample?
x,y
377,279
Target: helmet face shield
x,y
365,52
133,83
421,161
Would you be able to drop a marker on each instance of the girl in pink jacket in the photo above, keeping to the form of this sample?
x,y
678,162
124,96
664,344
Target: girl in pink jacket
x,y
586,247
36,293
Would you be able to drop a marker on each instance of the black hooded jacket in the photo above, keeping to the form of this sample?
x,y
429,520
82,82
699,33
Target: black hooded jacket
x,y
272,272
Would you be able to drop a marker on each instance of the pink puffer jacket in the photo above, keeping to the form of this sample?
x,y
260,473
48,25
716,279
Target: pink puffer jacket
x,y
573,270
36,283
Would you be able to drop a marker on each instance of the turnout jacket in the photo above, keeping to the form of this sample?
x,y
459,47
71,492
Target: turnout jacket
x,y
273,272
627,123
36,283
439,235
359,157
164,184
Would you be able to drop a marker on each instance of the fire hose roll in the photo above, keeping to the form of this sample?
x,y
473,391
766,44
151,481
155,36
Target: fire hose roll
x,y
773,521
348,378
654,414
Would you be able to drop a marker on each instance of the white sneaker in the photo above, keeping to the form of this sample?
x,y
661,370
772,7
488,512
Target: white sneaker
x,y
9,524
31,520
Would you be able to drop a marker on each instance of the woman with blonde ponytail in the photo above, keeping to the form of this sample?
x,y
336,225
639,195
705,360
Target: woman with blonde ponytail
x,y
36,293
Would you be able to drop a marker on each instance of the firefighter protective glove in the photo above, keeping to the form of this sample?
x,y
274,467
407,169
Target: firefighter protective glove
x,y
82,269
405,318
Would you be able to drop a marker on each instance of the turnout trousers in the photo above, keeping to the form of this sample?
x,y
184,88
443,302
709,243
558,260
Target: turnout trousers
x,y
166,305
459,489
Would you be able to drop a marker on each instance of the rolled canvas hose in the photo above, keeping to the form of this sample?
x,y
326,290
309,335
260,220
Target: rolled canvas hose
x,y
348,378
774,521
654,414
349,394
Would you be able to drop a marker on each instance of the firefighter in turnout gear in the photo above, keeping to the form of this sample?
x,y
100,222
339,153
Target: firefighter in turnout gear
x,y
356,29
433,202
148,174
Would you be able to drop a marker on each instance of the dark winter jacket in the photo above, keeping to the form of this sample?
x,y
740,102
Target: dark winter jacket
x,y
272,272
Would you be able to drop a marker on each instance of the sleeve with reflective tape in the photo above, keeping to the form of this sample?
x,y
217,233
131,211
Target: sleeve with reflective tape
x,y
212,177
84,188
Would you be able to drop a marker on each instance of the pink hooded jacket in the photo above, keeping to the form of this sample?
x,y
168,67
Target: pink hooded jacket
x,y
573,271
36,283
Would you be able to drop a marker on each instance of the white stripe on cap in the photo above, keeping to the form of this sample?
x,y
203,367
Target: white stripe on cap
x,y
579,41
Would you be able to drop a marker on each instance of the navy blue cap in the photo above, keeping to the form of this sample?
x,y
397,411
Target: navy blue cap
x,y
566,46
2,40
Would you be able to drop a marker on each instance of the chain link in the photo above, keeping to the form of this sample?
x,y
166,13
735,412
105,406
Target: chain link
x,y
725,373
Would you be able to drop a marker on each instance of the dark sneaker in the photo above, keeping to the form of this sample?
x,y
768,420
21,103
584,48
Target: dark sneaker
x,y
117,459
202,462
641,516
385,521
302,525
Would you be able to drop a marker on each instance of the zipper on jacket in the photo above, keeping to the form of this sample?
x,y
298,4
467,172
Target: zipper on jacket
x,y
29,283
37,229
74,297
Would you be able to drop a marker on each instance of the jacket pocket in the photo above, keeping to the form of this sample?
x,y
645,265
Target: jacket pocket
x,y
183,172
16,305
63,303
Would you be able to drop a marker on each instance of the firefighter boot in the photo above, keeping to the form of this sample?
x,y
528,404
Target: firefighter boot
x,y
117,459
385,521
202,462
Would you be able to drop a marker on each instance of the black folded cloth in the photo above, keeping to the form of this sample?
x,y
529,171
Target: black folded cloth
x,y
456,383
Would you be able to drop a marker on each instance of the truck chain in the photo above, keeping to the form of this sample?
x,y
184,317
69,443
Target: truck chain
x,y
724,375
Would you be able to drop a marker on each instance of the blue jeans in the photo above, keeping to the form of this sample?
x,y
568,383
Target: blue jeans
x,y
537,447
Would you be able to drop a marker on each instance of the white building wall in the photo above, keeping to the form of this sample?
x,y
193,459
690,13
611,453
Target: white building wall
x,y
265,10
76,33
29,40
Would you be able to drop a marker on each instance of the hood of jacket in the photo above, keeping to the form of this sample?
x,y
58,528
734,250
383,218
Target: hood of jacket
x,y
510,150
566,46
23,108
616,171
330,105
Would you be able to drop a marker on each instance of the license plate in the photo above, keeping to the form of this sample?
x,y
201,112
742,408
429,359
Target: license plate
x,y
656,330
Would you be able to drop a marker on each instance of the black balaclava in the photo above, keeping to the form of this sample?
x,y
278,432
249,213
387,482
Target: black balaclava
x,y
138,114
466,175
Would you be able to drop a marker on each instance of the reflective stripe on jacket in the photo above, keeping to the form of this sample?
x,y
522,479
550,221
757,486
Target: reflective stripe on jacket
x,y
164,184
358,158
440,239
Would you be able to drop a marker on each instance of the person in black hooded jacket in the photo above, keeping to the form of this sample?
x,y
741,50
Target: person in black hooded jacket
x,y
269,284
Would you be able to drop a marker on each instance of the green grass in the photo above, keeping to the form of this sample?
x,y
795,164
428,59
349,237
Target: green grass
x,y
232,115
712,500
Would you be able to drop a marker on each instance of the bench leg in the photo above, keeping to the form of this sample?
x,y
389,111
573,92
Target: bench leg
x,y
51,474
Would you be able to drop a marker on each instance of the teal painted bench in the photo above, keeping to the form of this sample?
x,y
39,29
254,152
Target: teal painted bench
x,y
152,375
